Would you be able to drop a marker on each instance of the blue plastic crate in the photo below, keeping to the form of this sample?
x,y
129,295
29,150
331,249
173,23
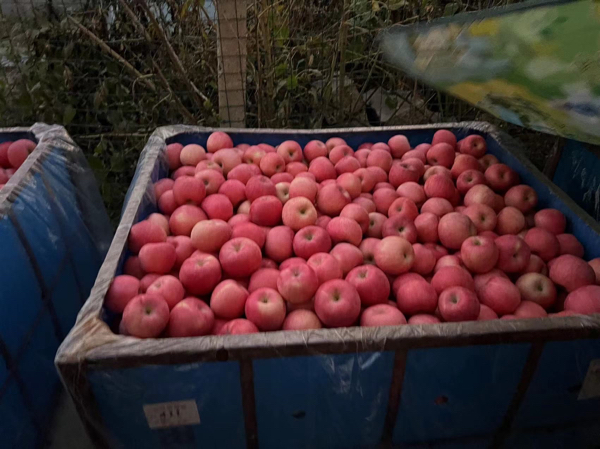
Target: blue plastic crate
x,y
53,228
449,385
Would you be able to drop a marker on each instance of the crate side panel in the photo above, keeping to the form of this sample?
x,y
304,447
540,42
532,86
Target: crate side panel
x,y
582,436
16,426
66,298
40,227
335,401
215,387
552,396
36,368
20,296
457,392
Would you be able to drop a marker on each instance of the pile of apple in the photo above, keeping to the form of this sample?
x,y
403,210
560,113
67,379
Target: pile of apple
x,y
12,156
257,238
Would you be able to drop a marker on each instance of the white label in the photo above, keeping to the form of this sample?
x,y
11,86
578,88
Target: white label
x,y
591,384
172,414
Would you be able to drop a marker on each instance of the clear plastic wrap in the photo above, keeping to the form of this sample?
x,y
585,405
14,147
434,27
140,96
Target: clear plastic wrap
x,y
54,234
424,385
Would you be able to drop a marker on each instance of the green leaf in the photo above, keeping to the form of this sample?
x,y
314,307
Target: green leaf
x,y
450,9
292,82
68,114
391,102
281,69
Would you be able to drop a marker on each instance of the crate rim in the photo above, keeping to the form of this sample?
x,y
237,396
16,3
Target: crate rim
x,y
92,342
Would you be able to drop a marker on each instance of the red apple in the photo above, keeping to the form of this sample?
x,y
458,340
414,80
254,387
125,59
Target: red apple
x,y
161,221
371,283
184,218
437,206
133,267
416,296
200,274
529,309
482,216
571,272
173,154
311,240
210,235
342,229
394,255
501,177
157,258
145,316
251,231
376,221
348,256
403,171
486,314
122,290
447,261
212,180
537,288
543,243
382,315
167,203
473,145
266,309
331,199
441,154
398,145
240,257
190,318
304,187
238,326
278,245
425,260
595,264
399,225
479,254
258,186
143,233
169,287
451,276
522,197
301,320
468,179
458,304
322,169
325,266
270,164
510,220
339,152
299,213
444,136
584,300
234,190
264,278
315,149
290,151
426,225
266,211
218,140
297,284
500,295
337,303
513,255
228,299
217,206
454,228
253,155
568,244
552,220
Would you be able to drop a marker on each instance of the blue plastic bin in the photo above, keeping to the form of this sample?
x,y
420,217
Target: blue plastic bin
x,y
54,234
523,383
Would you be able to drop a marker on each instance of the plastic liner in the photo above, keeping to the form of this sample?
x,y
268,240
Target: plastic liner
x,y
54,234
432,385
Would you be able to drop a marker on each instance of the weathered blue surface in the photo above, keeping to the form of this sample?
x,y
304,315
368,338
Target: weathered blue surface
x,y
121,395
334,401
454,392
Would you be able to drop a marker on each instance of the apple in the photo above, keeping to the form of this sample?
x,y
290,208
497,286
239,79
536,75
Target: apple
x,y
253,155
405,207
367,179
184,218
238,326
486,314
322,169
500,295
571,272
479,254
510,220
454,228
501,177
291,262
380,158
426,225
334,142
351,183
339,152
447,261
383,199
210,235
537,288
412,191
158,258
348,164
264,278
297,284
522,197
278,244
311,240
536,265
325,266
342,229
487,161
251,231
440,186
423,318
480,194
270,164
452,276
228,299
200,274
202,165
458,304
122,290
331,199
212,180
315,149
227,159
18,151
258,186
513,253
184,171
399,225
283,191
378,174
543,243
188,189
161,186
437,206
290,151
146,282
568,244
243,173
382,315
376,221
367,247
145,316
304,187
398,145
468,179
483,217
217,141
298,213
266,309
441,154
436,170
444,136
394,255
416,296
595,264
133,267
348,256
190,318
234,190
473,145
584,300
300,319
337,303
173,153
403,171
266,211
371,284
145,232
217,206
552,220
425,260
169,288
240,257
167,203
161,221
529,309
358,214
